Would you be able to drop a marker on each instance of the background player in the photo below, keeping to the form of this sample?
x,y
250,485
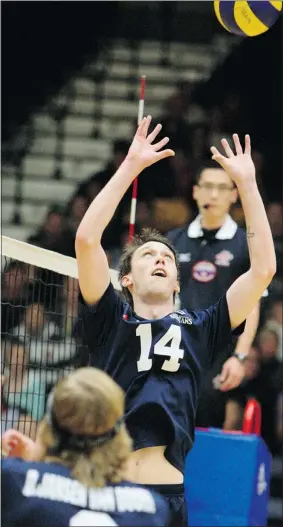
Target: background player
x,y
74,474
157,355
213,253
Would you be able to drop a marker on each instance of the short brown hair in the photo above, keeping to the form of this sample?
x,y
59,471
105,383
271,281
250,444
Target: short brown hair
x,y
146,235
89,402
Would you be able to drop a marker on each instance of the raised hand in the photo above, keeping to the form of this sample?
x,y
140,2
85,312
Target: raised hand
x,y
240,167
142,150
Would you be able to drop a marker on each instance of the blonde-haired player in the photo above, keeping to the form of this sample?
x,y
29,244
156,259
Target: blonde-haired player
x,y
74,473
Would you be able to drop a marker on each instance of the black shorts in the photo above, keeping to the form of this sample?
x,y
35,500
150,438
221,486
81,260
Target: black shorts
x,y
175,496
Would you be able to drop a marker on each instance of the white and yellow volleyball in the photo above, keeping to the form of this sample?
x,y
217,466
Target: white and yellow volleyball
x,y
247,18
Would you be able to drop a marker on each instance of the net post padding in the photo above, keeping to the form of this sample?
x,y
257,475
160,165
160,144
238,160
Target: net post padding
x,y
33,255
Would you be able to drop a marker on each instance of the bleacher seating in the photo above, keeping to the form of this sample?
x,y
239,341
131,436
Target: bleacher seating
x,y
112,114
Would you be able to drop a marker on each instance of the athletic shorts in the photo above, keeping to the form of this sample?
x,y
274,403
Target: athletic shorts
x,y
175,496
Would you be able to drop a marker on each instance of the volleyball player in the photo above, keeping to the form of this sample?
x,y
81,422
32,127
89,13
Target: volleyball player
x,y
74,474
158,355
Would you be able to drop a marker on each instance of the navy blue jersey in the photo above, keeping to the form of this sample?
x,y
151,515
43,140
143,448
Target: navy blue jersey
x,y
46,495
210,261
158,363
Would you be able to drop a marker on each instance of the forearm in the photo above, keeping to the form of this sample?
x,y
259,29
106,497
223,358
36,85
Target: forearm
x,y
245,341
260,242
103,207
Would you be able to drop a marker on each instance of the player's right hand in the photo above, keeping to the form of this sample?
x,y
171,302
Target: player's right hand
x,y
142,152
16,444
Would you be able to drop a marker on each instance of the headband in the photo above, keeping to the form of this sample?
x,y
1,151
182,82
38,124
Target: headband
x,y
67,440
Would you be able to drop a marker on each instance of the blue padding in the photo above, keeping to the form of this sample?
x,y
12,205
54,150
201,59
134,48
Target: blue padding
x,y
227,480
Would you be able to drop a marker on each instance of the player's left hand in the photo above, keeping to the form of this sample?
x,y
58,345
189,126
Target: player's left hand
x,y
240,167
232,374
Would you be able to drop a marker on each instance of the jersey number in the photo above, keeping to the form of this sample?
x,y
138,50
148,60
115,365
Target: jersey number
x,y
162,347
91,519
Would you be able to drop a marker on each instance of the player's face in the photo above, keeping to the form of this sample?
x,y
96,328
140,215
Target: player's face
x,y
215,188
153,272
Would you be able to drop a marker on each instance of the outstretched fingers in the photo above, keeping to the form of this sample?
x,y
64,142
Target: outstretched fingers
x,y
143,127
161,144
154,133
216,156
146,125
247,145
164,153
238,146
227,149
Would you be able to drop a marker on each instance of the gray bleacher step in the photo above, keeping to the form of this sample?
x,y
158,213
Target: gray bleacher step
x,y
87,147
19,232
161,77
115,89
48,190
32,214
110,108
78,124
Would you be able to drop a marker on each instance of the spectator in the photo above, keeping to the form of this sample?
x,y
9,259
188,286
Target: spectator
x,y
92,189
16,284
69,307
25,389
75,211
53,234
48,234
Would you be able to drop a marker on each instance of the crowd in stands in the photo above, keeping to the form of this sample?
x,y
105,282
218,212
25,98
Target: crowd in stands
x,y
40,331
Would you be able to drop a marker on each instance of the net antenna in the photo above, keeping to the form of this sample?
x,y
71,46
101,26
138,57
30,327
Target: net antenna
x,y
135,183
45,259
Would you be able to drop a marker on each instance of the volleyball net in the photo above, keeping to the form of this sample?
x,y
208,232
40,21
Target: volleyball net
x,y
41,332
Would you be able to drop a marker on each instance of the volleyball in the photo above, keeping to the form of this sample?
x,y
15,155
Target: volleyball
x,y
247,18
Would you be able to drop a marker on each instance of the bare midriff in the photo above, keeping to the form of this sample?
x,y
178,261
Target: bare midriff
x,y
148,466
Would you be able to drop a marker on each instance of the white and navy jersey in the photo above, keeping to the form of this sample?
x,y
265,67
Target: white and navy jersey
x,y
45,495
158,363
210,261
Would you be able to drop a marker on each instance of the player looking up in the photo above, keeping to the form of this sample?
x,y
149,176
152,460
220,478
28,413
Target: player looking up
x,y
74,473
158,355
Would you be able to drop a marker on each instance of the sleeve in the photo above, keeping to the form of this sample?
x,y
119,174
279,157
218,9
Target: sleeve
x,y
99,321
216,327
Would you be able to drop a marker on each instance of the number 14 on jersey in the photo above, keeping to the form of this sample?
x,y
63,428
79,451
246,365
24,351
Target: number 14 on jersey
x,y
168,346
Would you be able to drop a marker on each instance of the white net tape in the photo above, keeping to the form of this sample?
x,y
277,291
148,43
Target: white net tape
x,y
30,254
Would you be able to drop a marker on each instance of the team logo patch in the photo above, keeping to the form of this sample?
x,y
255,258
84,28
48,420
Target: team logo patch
x,y
224,258
204,271
178,315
